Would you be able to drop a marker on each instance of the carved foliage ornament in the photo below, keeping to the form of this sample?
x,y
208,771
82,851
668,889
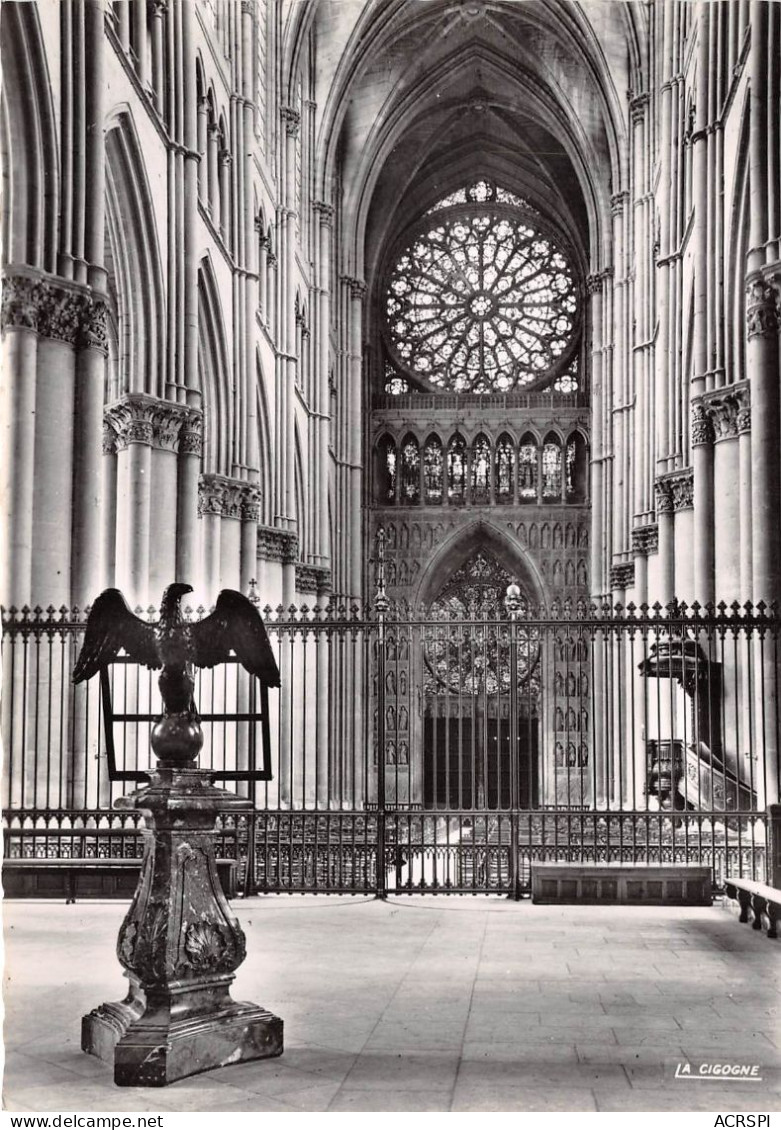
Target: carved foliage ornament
x,y
645,539
158,423
761,312
54,310
675,491
277,545
728,410
622,575
228,498
701,427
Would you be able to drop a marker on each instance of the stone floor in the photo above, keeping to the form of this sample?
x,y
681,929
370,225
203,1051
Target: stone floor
x,y
426,1004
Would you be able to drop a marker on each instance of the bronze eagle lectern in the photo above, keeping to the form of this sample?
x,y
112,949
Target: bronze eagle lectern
x,y
180,943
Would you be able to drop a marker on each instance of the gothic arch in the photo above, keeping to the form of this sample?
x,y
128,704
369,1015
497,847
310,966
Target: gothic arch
x,y
28,143
461,544
133,261
264,444
213,374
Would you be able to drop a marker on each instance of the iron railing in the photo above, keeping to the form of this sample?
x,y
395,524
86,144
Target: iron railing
x,y
643,735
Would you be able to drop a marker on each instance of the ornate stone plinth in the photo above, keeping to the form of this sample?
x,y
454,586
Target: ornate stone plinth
x,y
180,945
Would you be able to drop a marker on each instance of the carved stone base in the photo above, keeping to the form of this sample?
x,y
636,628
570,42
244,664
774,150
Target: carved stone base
x,y
151,1048
180,945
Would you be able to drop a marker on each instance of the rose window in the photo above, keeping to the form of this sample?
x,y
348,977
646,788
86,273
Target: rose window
x,y
481,299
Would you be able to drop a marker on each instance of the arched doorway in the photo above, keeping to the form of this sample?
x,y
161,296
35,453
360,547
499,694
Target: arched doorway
x,y
470,659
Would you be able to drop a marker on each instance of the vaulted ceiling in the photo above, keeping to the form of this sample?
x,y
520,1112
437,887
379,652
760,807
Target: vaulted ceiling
x,y
420,95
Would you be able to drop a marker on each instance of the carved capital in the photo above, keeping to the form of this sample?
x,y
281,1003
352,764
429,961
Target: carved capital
x,y
675,491
594,284
54,309
94,328
617,202
277,545
727,408
664,498
645,539
146,419
701,427
761,313
226,157
22,299
109,439
250,503
638,107
357,287
325,212
313,578
291,119
191,433
622,575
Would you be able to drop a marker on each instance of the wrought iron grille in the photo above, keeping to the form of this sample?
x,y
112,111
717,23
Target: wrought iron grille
x,y
445,752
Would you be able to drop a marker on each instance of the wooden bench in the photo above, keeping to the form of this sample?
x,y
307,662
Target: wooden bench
x,y
104,878
631,883
759,899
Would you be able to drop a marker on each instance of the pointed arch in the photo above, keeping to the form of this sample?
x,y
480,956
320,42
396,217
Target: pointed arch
x,y
456,549
264,445
214,374
132,255
28,142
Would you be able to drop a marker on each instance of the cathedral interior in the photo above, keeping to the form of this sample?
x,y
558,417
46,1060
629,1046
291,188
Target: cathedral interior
x,y
447,331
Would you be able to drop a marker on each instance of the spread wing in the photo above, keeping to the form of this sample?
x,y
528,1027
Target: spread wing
x,y
234,625
111,626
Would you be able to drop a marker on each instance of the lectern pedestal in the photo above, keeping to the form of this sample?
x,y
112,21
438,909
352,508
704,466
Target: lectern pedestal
x,y
180,946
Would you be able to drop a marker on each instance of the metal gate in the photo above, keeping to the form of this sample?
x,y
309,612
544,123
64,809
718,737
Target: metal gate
x,y
429,753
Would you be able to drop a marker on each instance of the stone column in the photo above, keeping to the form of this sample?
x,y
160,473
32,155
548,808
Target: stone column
x,y
210,506
212,160
702,465
87,567
743,424
355,432
17,420
722,409
225,195
203,144
762,366
250,516
157,10
139,12
664,513
190,448
131,420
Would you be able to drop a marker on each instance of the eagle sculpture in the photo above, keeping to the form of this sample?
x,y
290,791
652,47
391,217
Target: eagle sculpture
x,y
175,644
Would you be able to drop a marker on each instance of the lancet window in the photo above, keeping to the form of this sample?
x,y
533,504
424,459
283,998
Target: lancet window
x,y
435,470
481,470
551,470
432,470
527,469
504,469
410,472
456,469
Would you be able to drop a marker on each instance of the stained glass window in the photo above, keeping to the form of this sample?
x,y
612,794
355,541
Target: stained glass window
x,y
482,298
474,659
394,383
432,470
527,470
456,469
410,472
504,465
570,484
551,471
387,470
481,470
568,381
